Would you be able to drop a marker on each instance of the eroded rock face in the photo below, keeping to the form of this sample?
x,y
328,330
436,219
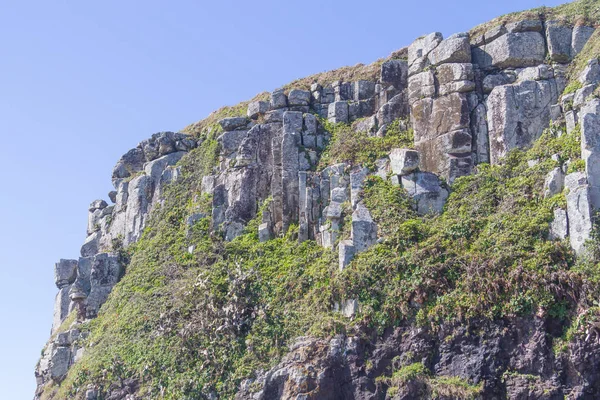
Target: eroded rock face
x,y
510,358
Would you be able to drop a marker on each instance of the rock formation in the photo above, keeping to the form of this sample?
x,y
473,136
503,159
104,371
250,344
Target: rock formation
x,y
470,100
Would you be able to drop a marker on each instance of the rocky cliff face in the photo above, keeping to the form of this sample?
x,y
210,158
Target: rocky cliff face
x,y
469,99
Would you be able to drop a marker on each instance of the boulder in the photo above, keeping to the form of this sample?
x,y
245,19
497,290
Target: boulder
x,y
581,95
570,121
511,50
525,25
65,272
293,123
455,49
404,161
346,251
60,362
233,123
338,112
420,49
364,230
499,79
231,140
298,97
105,272
130,163
427,191
554,183
421,85
590,147
363,90
559,38
257,108
591,73
278,99
559,227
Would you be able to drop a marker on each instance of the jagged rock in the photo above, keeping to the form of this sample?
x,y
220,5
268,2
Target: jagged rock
x,y
347,251
292,123
479,129
591,73
421,85
427,191
559,38
570,121
455,49
395,73
112,195
581,95
581,34
559,228
363,90
357,178
233,123
511,50
404,161
555,181
231,140
130,163
91,245
65,272
298,97
368,125
537,73
555,112
517,115
419,50
105,271
60,362
338,112
579,210
257,108
391,111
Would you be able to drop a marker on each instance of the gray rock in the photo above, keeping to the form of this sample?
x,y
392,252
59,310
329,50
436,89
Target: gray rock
x,y
231,140
571,121
582,95
298,97
559,227
61,307
364,230
346,251
91,246
274,116
512,50
579,210
559,38
338,112
65,272
427,191
278,99
233,123
479,128
421,85
539,72
395,72
60,362
208,184
554,183
363,90
455,77
264,232
130,163
591,73
112,195
310,124
357,178
394,109
350,308
502,78
404,161
368,125
526,25
581,34
555,112
292,123
257,108
517,115
97,205
455,49
590,147
104,274
420,49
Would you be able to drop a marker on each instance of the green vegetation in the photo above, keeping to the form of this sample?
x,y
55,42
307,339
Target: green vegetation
x,y
433,387
347,145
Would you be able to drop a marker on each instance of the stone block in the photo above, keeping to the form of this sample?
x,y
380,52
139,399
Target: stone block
x,y
404,161
338,112
233,123
512,50
257,108
347,251
559,38
298,97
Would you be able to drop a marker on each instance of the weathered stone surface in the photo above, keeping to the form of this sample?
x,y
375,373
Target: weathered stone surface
x,y
517,114
364,230
554,183
570,121
479,129
357,178
433,117
278,99
537,73
502,78
427,191
349,308
420,49
395,72
59,363
591,73
421,85
91,245
65,272
368,125
363,90
264,232
581,34
292,123
581,95
559,38
338,112
231,140
455,77
208,184
455,49
590,147
512,50
104,274
579,210
233,123
559,227
347,251
525,25
298,97
61,307
257,108
394,109
404,161
130,163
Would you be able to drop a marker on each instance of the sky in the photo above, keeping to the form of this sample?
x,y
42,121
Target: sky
x,y
82,82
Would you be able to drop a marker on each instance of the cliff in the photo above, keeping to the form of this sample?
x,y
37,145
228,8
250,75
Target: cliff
x,y
422,227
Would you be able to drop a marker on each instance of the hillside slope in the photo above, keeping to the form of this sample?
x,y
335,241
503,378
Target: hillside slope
x,y
422,227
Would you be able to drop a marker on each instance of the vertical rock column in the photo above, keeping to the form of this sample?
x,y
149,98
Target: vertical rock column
x,y
440,77
65,273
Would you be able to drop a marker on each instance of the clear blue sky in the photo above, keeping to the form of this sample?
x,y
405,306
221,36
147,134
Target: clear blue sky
x,y
81,82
